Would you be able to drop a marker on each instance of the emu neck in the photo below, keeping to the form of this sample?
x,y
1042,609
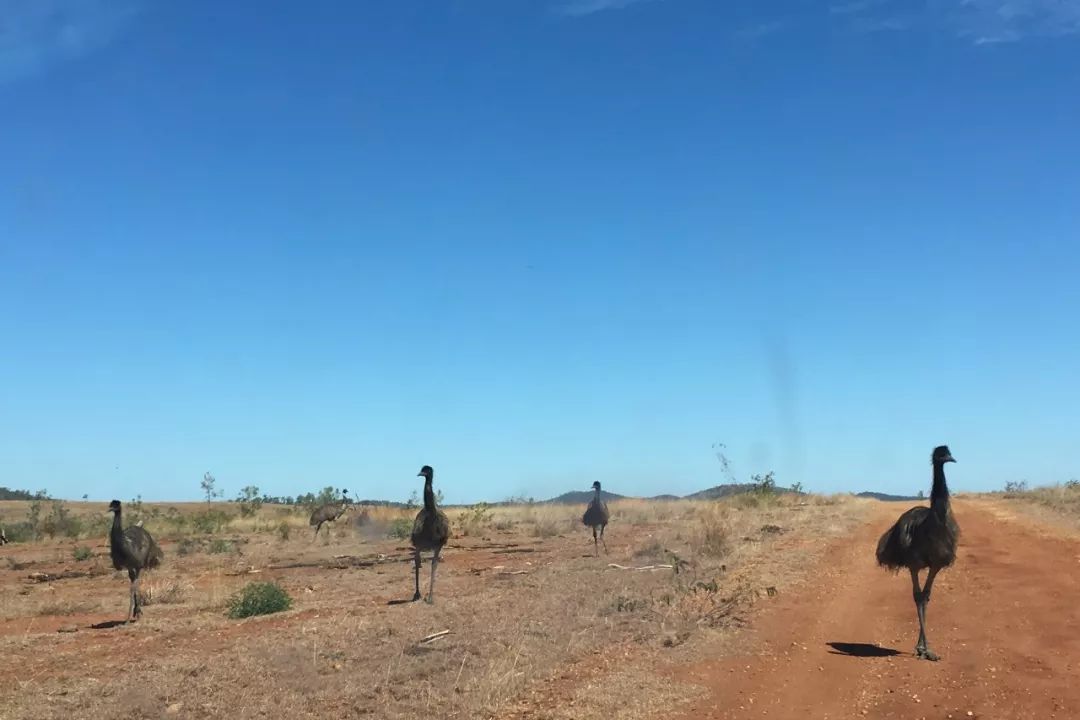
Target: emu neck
x,y
939,492
116,534
596,495
429,495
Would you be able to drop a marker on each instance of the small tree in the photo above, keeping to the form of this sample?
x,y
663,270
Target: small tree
x,y
413,501
209,487
249,500
922,494
764,484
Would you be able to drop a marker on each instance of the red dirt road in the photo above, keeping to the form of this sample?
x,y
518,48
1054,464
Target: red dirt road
x,y
1005,619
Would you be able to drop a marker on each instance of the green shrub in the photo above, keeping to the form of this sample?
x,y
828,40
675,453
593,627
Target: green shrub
x,y
209,522
261,598
283,530
19,532
60,521
400,528
220,545
83,553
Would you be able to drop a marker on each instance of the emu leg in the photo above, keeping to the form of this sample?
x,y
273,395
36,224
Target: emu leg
x,y
926,653
131,596
416,574
317,528
431,587
596,550
135,591
602,538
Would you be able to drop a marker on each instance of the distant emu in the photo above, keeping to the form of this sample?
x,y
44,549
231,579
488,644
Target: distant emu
x,y
132,550
3,537
596,516
329,513
430,531
923,537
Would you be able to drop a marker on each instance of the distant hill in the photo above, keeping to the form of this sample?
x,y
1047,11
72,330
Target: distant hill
x,y
887,497
720,491
582,497
729,489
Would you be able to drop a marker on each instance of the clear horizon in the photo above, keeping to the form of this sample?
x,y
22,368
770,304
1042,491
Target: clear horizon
x,y
537,243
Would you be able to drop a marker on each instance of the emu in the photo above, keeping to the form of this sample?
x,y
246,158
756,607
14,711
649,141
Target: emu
x,y
329,512
133,550
923,537
430,531
596,516
3,537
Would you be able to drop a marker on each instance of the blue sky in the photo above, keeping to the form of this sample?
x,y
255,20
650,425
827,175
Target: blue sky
x,y
535,244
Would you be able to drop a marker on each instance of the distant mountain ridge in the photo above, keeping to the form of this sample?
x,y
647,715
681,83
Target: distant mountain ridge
x,y
886,497
580,497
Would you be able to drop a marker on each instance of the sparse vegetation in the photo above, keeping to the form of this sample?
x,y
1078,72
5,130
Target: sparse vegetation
x,y
81,553
219,546
249,501
400,528
261,598
535,564
1013,487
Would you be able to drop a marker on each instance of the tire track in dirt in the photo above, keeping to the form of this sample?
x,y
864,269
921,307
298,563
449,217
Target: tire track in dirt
x,y
1004,618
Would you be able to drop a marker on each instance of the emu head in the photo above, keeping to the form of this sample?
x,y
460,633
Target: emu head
x,y
426,472
942,455
596,485
114,506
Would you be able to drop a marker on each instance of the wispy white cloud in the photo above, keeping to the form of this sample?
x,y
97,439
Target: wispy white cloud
x,y
36,34
580,8
978,21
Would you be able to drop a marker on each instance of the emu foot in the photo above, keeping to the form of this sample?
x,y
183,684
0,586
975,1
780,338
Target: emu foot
x,y
430,599
926,654
416,597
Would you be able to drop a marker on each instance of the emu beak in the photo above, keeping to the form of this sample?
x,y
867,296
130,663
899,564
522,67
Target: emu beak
x,y
950,459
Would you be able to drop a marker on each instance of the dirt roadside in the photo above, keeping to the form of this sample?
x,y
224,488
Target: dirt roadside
x,y
1005,619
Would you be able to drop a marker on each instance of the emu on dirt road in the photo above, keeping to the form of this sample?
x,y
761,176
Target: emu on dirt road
x,y
596,516
923,537
329,513
430,531
133,550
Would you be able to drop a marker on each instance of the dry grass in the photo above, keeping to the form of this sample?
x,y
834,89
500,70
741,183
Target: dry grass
x,y
1057,505
535,621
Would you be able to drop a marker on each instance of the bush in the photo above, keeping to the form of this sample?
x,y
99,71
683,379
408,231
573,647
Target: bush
x,y
209,522
219,546
400,528
259,599
714,536
249,500
60,521
19,532
83,553
1016,486
476,518
283,530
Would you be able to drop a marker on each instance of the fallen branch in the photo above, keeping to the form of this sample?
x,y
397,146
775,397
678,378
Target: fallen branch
x,y
513,572
434,636
647,567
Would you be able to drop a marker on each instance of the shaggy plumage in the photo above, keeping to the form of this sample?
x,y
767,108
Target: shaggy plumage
x,y
133,550
596,516
923,538
328,513
430,531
